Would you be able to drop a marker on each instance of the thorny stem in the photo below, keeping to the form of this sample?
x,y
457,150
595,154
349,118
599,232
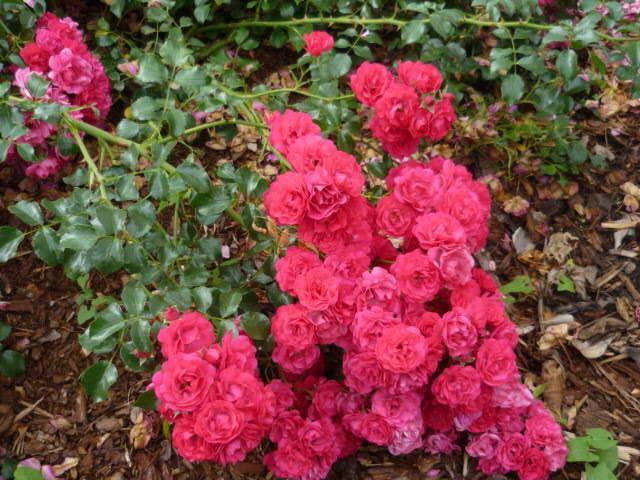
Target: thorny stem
x,y
249,96
346,20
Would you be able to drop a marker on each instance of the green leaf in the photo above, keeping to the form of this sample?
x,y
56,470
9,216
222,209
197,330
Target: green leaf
x,y
147,400
134,297
179,121
209,206
599,472
5,330
108,220
140,330
11,364
79,237
520,284
201,13
567,64
142,216
37,85
229,303
339,65
29,212
49,112
256,325
533,63
608,457
412,32
579,450
26,151
26,473
126,188
4,148
158,185
46,246
555,34
600,438
145,108
108,255
203,298
152,70
195,176
128,129
10,239
565,284
84,314
97,379
173,50
512,88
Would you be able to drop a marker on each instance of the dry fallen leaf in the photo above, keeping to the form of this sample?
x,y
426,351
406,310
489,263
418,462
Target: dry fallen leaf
x,y
559,246
592,350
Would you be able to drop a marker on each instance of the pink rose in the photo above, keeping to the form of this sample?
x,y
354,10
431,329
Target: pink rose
x,y
309,151
399,410
436,416
441,443
369,82
191,333
295,263
512,395
455,264
457,385
189,445
348,263
418,187
286,426
424,77
317,42
486,312
496,362
421,125
70,72
377,288
484,446
369,324
183,382
401,349
418,278
535,466
290,460
286,200
317,289
286,128
290,326
318,436
325,196
394,217
362,372
511,452
373,428
438,230
442,117
218,421
237,351
542,430
35,57
458,333
294,360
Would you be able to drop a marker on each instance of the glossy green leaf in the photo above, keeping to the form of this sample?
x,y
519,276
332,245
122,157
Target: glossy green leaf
x,y
97,379
10,239
27,211
256,325
46,246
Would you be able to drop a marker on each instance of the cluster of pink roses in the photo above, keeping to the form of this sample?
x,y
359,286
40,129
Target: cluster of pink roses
x,y
428,350
405,110
211,392
76,78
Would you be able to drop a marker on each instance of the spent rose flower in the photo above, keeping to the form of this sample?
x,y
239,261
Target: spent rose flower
x,y
317,42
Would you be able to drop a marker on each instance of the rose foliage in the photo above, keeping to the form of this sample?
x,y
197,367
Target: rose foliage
x,y
428,358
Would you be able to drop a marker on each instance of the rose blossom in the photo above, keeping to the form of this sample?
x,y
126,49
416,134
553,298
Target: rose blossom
x,y
418,278
484,446
457,385
418,187
287,198
510,453
189,445
286,128
362,372
368,325
318,42
401,349
294,360
369,82
458,332
438,230
295,263
309,151
191,333
455,264
496,362
218,421
317,289
70,72
399,410
424,77
373,428
291,326
325,197
535,465
394,217
183,382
